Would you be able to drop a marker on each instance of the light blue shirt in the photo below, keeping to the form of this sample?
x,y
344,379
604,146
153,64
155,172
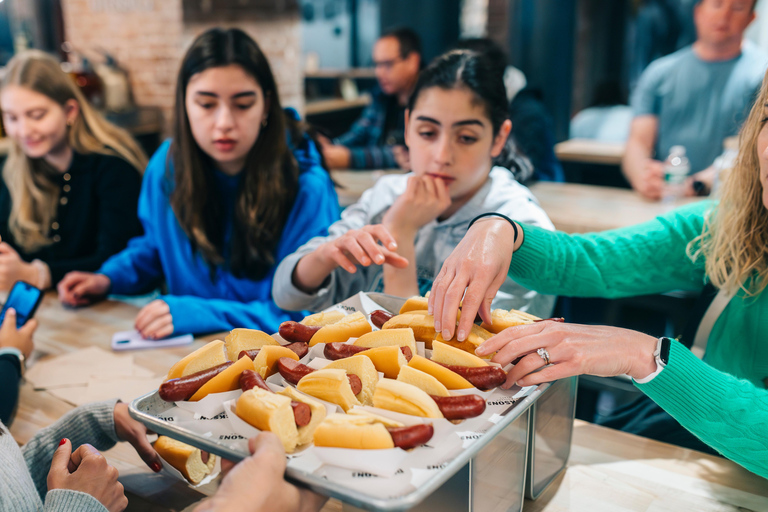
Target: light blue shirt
x,y
698,103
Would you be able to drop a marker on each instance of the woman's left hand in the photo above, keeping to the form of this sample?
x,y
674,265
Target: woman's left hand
x,y
13,268
154,321
130,430
573,350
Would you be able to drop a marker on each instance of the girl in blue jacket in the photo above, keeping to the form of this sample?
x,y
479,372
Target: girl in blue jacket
x,y
222,203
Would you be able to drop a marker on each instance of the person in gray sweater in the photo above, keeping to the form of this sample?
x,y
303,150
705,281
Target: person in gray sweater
x,y
58,470
396,238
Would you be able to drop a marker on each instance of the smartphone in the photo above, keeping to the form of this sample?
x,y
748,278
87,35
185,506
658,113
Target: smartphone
x,y
24,298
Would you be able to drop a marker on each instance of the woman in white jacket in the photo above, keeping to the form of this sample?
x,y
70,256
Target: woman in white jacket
x,y
398,235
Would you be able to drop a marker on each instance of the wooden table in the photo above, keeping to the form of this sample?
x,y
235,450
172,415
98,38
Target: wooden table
x,y
351,184
590,151
608,470
577,208
316,107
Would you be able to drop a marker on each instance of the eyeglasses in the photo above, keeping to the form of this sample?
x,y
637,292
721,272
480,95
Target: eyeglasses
x,y
387,64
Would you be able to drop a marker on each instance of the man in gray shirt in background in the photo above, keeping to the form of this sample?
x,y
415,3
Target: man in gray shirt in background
x,y
695,98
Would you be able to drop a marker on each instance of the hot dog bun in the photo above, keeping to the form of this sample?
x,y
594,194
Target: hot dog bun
x,y
477,335
414,304
269,411
331,385
363,367
351,326
246,339
449,379
387,360
423,381
395,337
187,459
265,362
420,322
357,411
356,431
228,380
207,356
447,354
502,319
323,319
317,409
404,398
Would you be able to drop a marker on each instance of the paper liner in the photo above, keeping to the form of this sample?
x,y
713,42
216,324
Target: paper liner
x,y
376,462
209,406
171,471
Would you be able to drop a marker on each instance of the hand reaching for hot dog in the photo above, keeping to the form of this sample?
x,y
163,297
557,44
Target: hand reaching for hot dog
x,y
370,245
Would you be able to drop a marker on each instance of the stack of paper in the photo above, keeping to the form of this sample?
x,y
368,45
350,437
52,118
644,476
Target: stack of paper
x,y
92,374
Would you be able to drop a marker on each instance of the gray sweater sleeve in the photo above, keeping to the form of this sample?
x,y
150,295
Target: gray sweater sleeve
x,y
340,284
24,471
92,424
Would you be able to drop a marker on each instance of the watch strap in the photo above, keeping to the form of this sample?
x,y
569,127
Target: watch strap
x,y
661,354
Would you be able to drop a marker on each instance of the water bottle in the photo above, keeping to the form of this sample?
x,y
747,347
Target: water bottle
x,y
676,169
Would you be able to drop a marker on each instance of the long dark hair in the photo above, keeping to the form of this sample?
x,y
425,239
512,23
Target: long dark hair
x,y
466,69
270,175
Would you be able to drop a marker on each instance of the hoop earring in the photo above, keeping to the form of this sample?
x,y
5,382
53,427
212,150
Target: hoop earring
x,y
264,122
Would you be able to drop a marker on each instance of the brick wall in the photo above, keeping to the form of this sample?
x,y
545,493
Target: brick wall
x,y
149,37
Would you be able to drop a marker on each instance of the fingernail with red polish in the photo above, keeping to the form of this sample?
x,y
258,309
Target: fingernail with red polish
x,y
156,467
62,441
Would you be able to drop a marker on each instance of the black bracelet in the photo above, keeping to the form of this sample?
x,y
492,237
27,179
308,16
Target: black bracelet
x,y
496,214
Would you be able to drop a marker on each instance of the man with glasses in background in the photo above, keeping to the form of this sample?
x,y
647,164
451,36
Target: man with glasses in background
x,y
376,140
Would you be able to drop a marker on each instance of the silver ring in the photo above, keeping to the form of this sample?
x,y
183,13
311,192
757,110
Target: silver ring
x,y
544,354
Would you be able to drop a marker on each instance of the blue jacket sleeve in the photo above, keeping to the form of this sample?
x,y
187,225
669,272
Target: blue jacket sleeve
x,y
138,267
315,209
200,315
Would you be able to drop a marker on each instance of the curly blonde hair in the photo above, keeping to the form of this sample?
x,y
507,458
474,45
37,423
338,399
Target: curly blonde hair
x,y
734,240
33,195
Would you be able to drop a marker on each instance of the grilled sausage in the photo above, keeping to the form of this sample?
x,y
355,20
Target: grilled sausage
x,y
183,388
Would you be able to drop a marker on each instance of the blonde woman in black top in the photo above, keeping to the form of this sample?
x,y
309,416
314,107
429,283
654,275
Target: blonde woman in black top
x,y
70,185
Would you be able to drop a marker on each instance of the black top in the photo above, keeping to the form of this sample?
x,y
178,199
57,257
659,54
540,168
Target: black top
x,y
96,216
10,373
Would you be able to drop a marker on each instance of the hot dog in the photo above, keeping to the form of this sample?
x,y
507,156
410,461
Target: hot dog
x,y
300,348
367,431
296,332
460,407
411,437
249,379
293,372
182,388
380,317
335,351
483,378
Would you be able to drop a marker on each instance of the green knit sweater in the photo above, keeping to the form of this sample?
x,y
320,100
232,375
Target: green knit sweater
x,y
723,400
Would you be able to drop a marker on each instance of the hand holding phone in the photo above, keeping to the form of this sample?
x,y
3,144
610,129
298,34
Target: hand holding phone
x,y
24,298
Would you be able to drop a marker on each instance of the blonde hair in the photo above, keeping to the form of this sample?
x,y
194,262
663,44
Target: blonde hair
x,y
34,196
734,240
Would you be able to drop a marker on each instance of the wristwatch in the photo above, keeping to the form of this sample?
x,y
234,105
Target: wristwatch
x,y
17,353
661,354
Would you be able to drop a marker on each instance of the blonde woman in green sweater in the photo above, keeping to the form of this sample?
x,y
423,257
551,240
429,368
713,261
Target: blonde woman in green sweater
x,y
721,399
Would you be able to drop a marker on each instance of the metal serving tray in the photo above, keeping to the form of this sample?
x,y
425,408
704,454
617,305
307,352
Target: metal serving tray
x,y
549,435
489,475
